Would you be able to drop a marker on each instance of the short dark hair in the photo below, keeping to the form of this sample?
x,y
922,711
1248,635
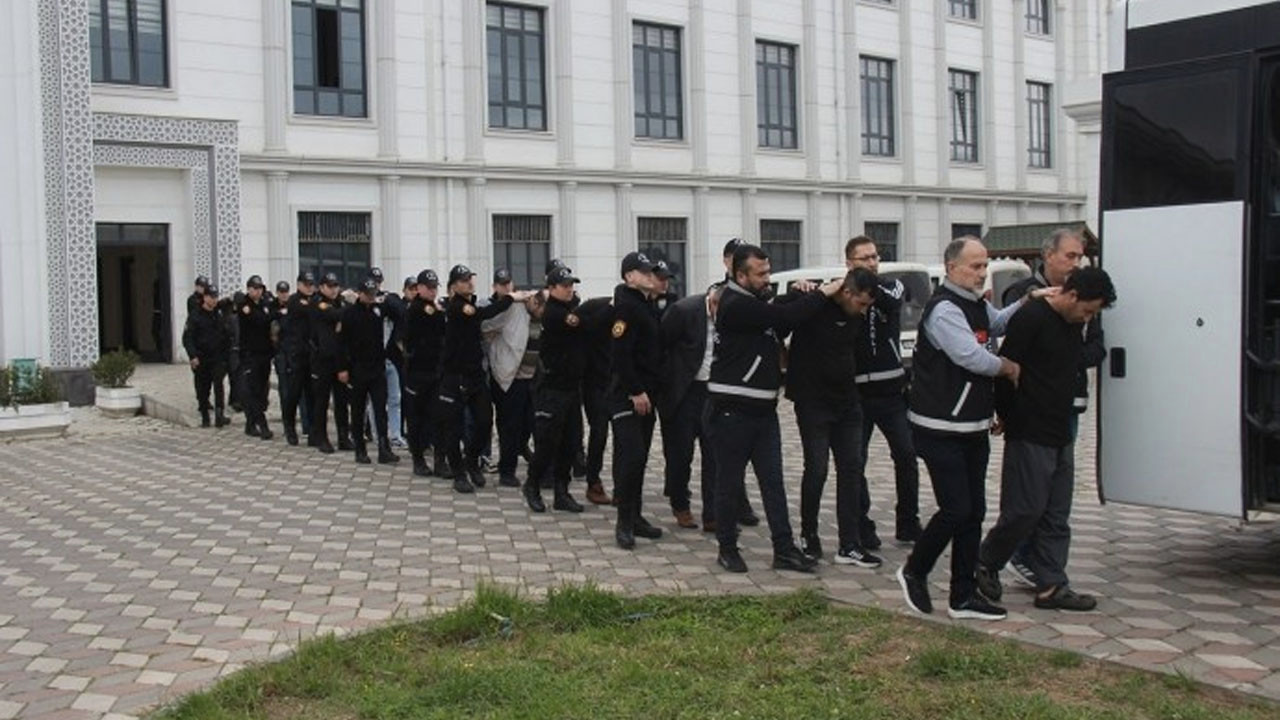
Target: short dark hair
x,y
855,243
745,252
859,281
1091,283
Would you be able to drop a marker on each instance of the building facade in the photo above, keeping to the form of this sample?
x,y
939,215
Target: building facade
x,y
149,141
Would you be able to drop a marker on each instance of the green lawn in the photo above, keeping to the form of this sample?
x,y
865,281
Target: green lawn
x,y
585,653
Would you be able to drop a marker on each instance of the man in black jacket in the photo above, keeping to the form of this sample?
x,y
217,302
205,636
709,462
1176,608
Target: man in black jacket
x,y
196,298
595,394
207,344
687,340
821,381
364,367
746,376
255,315
423,344
326,318
293,357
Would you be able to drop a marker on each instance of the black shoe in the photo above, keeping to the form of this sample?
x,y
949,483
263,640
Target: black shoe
x,y
462,485
730,559
915,590
533,498
250,429
236,406
508,480
386,457
749,519
564,501
624,535
475,475
204,419
264,432
989,584
362,456
527,454
645,530
792,559
857,556
810,545
908,532
220,419
290,435
442,467
1064,598
345,444
420,467
324,446
976,608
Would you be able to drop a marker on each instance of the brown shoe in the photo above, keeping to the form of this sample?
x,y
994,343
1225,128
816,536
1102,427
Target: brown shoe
x,y
597,496
684,519
709,526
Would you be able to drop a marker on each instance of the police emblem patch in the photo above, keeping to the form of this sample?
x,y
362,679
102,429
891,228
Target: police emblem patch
x,y
571,320
619,328
468,310
429,309
324,306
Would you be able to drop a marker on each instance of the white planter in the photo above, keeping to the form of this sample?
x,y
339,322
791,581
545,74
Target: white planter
x,y
118,402
35,421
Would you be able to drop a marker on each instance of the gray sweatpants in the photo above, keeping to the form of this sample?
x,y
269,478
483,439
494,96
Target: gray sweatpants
x,y
1036,484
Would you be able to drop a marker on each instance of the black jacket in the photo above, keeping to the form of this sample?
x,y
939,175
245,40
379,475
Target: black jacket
x,y
326,317
255,326
1095,349
684,343
636,352
361,339
423,338
879,352
823,364
205,336
463,353
295,325
1048,348
598,341
562,356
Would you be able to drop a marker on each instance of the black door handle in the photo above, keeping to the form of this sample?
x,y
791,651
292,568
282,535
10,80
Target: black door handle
x,y
1117,362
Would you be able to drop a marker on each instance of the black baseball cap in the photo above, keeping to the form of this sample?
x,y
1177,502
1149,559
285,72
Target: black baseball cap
x,y
329,279
429,278
663,270
255,281
554,263
211,289
202,281
410,281
730,246
561,276
502,276
282,286
376,274
369,286
636,261
460,272
307,277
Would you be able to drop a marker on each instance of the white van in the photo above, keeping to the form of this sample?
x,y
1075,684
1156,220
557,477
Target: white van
x,y
1001,273
914,276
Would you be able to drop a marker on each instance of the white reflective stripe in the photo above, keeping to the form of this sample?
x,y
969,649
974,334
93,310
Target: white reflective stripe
x,y
1081,402
948,425
754,366
881,375
411,391
543,414
622,414
742,391
964,395
893,345
446,399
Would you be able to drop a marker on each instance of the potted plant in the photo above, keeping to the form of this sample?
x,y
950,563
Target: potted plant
x,y
31,403
113,396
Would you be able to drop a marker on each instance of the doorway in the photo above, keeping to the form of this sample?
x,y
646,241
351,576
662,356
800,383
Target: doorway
x,y
134,290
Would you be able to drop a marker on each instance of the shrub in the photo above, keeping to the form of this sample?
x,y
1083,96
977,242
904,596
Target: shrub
x,y
40,387
114,369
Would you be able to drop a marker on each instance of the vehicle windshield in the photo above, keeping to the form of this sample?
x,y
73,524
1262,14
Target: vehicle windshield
x,y
918,289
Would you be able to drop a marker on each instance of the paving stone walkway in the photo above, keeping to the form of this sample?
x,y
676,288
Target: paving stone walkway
x,y
141,560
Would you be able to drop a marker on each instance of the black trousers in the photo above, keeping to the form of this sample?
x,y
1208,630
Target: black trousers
x,y
209,376
293,371
827,431
418,405
632,438
255,384
889,413
554,444
681,426
369,386
595,401
514,410
457,395
958,470
739,436
324,385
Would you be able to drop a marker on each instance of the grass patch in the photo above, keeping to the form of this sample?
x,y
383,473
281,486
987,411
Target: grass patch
x,y
585,653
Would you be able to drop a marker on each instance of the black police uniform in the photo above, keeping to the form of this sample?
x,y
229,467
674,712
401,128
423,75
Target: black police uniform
x,y
295,355
364,358
205,339
255,320
326,317
636,368
424,329
598,347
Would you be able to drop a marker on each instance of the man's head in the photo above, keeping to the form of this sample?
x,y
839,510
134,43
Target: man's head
x,y
461,280
662,276
560,282
637,272
428,285
727,255
368,291
1062,252
375,274
202,282
536,304
306,283
209,296
858,291
329,286
282,291
1085,293
254,287
966,263
750,268
861,252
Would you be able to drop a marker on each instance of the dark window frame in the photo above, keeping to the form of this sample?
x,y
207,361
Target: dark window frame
x,y
777,242
657,235
962,105
348,234
1039,125
508,236
959,230
643,53
887,243
519,37
102,73
964,9
1038,21
879,129
777,111
312,84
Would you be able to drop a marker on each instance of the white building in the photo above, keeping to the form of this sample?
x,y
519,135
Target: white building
x,y
147,141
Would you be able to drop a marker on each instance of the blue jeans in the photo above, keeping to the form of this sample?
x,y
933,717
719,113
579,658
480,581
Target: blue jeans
x,y
738,437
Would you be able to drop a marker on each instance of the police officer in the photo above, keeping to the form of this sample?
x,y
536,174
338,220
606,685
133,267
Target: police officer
x,y
207,344
392,312
255,314
423,345
196,298
363,367
326,317
635,380
598,346
292,357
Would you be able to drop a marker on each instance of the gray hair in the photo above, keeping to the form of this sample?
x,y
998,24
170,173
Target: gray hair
x,y
1054,241
955,247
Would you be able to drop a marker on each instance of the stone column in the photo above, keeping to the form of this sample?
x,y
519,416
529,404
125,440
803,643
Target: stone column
x,y
281,243
275,74
389,219
385,101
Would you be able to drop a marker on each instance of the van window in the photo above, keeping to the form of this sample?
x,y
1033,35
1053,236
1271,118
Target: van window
x,y
918,289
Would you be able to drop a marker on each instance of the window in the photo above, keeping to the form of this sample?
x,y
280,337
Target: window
x,y
517,86
886,236
780,239
963,92
666,239
522,244
336,242
1038,17
328,58
964,9
776,94
1039,125
959,230
655,68
128,42
877,106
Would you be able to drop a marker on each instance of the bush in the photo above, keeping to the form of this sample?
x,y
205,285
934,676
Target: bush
x,y
114,369
42,387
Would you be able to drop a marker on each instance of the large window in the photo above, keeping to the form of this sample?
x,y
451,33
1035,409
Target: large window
x,y
517,83
655,63
962,92
336,242
781,240
1039,127
959,230
776,94
666,239
522,244
965,9
128,42
886,236
1038,17
328,58
877,106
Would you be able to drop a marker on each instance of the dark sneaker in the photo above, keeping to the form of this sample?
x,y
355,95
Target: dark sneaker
x,y
566,503
908,532
508,480
810,545
749,519
976,608
730,559
989,584
475,476
858,557
915,590
533,498
794,560
645,529
463,485
1064,598
1023,573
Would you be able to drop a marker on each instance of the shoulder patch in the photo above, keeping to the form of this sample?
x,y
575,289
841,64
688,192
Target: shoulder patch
x,y
324,306
619,328
429,309
468,309
572,320
246,310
